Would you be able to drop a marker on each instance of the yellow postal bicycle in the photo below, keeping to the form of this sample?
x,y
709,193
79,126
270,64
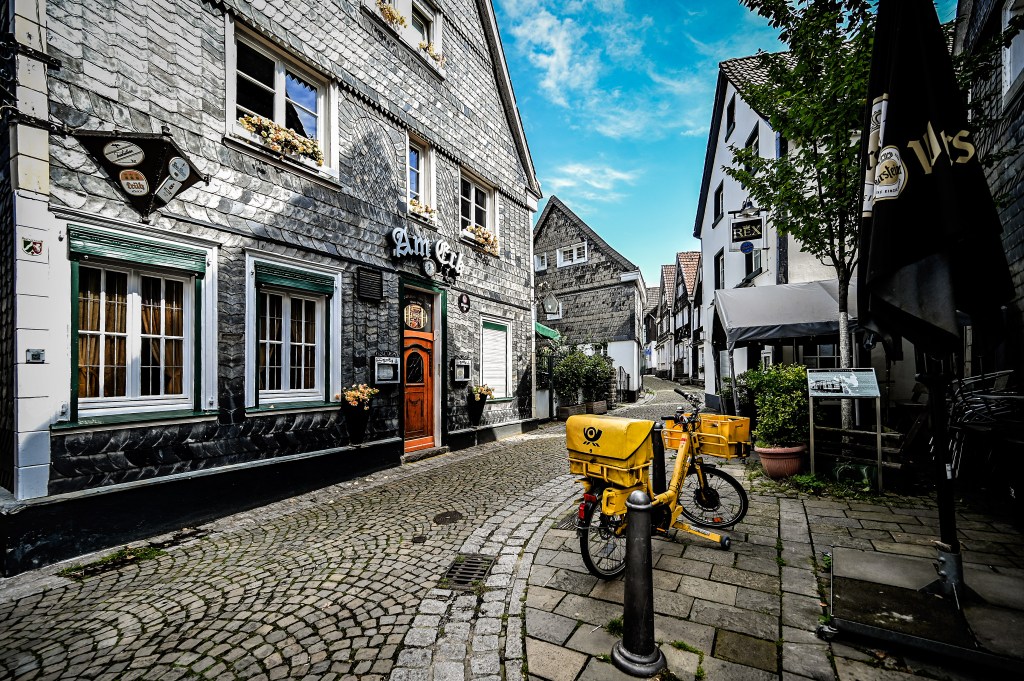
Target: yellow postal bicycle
x,y
613,456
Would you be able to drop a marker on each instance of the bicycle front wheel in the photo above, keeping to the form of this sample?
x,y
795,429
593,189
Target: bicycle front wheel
x,y
721,502
602,547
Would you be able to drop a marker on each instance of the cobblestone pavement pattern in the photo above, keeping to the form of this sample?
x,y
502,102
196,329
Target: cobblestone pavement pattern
x,y
329,585
346,583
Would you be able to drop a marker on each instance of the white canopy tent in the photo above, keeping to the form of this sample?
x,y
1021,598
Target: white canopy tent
x,y
760,313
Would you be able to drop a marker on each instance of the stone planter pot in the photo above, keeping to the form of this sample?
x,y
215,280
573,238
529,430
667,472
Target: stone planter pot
x,y
356,419
598,407
564,413
781,462
475,408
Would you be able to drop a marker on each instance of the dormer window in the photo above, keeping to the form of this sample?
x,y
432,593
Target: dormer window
x,y
572,255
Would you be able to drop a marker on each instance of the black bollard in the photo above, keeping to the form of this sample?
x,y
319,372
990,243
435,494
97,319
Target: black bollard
x,y
637,654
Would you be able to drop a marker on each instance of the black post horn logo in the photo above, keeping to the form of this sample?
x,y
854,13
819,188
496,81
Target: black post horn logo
x,y
591,435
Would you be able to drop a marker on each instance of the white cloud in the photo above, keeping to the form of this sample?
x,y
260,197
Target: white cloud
x,y
590,182
555,46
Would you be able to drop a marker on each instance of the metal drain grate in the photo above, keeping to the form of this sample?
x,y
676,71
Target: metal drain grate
x,y
447,518
568,522
467,569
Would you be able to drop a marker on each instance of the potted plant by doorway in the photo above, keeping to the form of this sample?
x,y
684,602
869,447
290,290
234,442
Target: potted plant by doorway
x,y
597,373
356,407
567,378
478,395
780,399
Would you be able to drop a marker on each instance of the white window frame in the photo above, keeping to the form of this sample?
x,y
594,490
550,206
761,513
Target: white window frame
x,y
540,262
575,254
426,171
508,355
1013,56
327,96
286,393
719,202
134,401
329,338
491,208
409,34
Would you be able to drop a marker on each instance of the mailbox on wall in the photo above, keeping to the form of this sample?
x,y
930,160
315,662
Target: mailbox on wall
x,y
460,370
385,370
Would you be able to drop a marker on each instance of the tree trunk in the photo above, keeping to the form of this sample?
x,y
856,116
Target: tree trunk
x,y
845,351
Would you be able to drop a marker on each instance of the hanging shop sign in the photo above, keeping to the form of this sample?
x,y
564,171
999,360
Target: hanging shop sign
x,y
149,168
746,230
413,245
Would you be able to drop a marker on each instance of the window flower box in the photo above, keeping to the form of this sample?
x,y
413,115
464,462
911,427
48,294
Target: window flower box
x,y
281,140
483,238
422,210
390,14
433,53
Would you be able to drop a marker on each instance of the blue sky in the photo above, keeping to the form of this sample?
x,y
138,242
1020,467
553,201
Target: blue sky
x,y
616,99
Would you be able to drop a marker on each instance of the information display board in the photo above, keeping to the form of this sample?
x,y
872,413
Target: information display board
x,y
842,383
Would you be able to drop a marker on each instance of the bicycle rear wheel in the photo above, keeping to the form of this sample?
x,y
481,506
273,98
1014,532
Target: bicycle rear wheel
x,y
603,550
722,502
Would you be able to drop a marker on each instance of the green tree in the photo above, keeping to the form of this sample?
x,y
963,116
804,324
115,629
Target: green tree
x,y
814,98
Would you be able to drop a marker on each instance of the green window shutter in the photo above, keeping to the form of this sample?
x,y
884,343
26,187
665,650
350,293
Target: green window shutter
x,y
275,275
494,326
86,242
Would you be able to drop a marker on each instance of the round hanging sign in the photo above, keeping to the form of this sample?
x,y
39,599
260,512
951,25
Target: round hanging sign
x,y
415,316
746,247
123,153
178,168
134,182
464,303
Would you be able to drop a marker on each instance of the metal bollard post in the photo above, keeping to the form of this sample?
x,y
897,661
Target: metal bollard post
x,y
637,654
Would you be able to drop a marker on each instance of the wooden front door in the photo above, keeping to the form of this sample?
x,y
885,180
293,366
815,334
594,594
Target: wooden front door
x,y
418,373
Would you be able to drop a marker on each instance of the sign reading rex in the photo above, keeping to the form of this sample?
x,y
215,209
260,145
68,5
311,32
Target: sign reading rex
x,y
746,229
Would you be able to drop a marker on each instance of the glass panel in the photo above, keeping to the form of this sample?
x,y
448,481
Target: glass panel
x,y
414,368
421,26
150,366
310,322
114,366
254,98
295,366
464,213
414,173
174,308
150,294
174,367
270,332
116,308
255,65
297,325
309,378
300,105
88,299
88,366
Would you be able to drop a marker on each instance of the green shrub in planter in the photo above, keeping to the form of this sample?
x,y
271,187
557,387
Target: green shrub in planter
x,y
780,397
596,376
569,375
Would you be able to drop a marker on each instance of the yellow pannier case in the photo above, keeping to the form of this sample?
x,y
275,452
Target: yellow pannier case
x,y
609,448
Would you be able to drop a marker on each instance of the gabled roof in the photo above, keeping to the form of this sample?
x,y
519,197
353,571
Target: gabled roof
x,y
507,95
688,262
668,283
555,204
652,298
742,73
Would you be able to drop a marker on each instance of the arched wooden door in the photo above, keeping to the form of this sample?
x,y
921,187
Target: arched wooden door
x,y
418,371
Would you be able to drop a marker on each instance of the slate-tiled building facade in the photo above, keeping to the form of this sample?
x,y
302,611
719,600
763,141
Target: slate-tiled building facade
x,y
977,23
601,294
223,330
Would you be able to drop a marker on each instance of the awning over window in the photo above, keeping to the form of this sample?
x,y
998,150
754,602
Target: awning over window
x,y
761,313
546,331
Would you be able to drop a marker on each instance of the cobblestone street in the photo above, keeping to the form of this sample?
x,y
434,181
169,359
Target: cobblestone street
x,y
327,585
350,583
